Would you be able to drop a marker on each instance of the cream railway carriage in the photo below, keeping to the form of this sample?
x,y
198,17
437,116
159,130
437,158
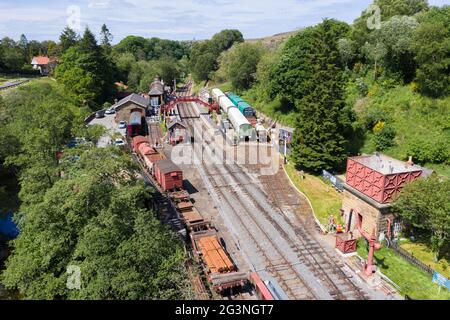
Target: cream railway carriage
x,y
243,128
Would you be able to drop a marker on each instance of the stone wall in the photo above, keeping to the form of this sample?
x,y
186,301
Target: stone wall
x,y
123,113
372,217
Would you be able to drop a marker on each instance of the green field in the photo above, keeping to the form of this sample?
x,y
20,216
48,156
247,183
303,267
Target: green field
x,y
412,281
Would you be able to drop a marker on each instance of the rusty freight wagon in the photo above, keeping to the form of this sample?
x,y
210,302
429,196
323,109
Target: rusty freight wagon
x,y
137,141
168,175
149,156
221,272
190,216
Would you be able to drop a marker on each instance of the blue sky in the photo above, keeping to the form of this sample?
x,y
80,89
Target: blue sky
x,y
173,19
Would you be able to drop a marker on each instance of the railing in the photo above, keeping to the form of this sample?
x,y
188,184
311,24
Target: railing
x,y
196,99
409,257
337,183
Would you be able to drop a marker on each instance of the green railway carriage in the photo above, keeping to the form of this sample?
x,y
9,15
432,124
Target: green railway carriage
x,y
243,106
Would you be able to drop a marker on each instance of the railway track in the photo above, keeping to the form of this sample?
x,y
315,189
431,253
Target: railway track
x,y
288,252
322,264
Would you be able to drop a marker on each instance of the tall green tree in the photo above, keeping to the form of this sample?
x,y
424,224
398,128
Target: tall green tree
x,y
310,76
105,39
204,55
396,36
23,44
68,39
387,9
225,39
87,72
35,136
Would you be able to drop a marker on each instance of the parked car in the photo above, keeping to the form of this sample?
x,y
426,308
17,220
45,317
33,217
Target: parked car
x,y
110,111
122,125
119,142
100,114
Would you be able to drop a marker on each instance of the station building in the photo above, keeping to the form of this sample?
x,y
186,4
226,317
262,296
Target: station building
x,y
157,93
372,184
132,103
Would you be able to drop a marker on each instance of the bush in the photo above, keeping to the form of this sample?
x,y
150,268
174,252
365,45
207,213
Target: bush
x,y
384,136
430,151
373,116
362,87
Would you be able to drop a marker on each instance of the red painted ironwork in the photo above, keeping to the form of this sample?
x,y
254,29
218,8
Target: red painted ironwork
x,y
173,103
382,188
373,245
345,244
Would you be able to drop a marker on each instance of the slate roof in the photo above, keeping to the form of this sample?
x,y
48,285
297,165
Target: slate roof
x,y
136,99
174,122
156,88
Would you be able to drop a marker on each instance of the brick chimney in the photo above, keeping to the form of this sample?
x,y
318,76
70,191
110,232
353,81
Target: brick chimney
x,y
410,162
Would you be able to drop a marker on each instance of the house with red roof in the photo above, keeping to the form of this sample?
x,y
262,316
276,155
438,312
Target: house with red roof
x,y
44,64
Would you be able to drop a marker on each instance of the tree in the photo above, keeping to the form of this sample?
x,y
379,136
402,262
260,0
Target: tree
x,y
87,72
310,76
94,218
375,53
396,36
424,206
346,50
152,49
431,45
225,39
12,58
168,69
105,39
203,61
239,64
204,54
68,39
387,9
23,44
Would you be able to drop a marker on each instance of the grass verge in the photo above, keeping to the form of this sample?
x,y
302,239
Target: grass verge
x,y
412,281
423,253
324,199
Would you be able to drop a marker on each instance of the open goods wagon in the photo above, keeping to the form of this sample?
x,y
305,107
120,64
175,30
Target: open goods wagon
x,y
221,271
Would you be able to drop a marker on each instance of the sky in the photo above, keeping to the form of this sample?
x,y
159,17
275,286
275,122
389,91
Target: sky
x,y
174,19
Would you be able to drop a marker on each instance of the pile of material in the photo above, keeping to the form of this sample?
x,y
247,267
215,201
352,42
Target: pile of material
x,y
214,256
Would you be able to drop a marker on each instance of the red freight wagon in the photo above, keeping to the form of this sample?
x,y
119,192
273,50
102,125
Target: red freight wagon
x,y
150,160
137,141
145,149
168,175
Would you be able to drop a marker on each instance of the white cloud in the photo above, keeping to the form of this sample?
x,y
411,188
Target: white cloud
x,y
176,19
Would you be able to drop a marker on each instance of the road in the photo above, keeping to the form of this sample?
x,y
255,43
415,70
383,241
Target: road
x,y
111,127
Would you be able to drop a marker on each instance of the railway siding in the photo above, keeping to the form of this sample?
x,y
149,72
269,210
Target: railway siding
x,y
272,242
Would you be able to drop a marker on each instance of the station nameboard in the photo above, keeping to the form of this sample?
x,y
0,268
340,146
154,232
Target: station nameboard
x,y
441,280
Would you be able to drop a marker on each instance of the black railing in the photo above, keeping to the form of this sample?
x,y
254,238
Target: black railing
x,y
410,257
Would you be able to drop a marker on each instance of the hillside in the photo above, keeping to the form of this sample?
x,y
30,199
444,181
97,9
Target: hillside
x,y
421,125
273,41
